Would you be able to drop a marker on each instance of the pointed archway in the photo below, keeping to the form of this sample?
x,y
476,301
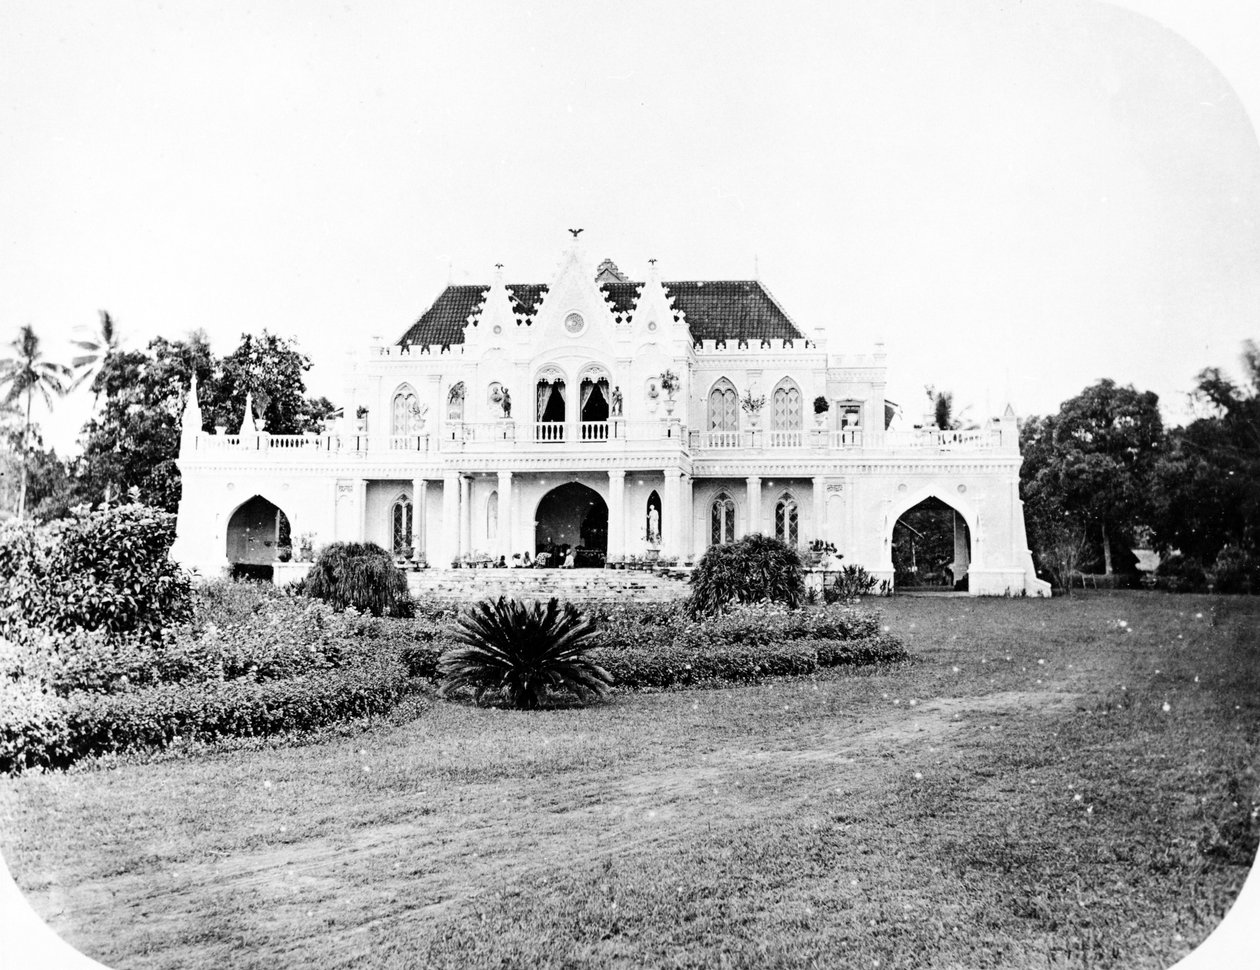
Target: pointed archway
x,y
931,547
572,517
258,534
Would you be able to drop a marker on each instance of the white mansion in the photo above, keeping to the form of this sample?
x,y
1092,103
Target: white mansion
x,y
609,418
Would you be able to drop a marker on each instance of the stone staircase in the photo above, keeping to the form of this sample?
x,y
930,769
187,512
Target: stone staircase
x,y
575,585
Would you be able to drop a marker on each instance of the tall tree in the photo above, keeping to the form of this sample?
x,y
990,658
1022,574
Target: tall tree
x,y
133,441
1209,480
1093,462
95,350
26,372
271,369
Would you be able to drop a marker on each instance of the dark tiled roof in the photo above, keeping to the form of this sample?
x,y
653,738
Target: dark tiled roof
x,y
722,310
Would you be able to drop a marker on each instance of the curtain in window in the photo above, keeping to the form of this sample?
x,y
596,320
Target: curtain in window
x,y
455,403
544,395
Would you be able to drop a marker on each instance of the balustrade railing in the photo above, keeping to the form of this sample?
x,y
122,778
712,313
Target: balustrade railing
x,y
787,439
721,439
549,431
593,431
502,434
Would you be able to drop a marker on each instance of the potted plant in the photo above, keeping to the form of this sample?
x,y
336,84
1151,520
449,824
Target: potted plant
x,y
306,547
821,407
752,407
669,384
361,415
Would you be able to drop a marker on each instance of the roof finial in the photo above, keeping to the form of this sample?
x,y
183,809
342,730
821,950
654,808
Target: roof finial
x,y
576,232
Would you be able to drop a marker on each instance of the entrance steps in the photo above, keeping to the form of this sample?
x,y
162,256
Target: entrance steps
x,y
575,585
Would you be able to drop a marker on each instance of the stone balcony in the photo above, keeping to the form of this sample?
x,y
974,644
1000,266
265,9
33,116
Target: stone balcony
x,y
622,437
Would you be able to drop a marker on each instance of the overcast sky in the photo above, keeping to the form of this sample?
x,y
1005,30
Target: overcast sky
x,y
1018,198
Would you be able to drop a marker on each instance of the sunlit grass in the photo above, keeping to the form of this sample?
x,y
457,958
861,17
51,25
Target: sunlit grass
x,y
1049,783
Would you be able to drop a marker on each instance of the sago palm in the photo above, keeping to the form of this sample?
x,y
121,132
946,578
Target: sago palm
x,y
25,372
524,653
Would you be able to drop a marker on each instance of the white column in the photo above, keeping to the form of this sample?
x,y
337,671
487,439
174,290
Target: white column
x,y
504,539
688,518
822,529
419,512
465,514
360,496
754,506
450,518
671,513
616,512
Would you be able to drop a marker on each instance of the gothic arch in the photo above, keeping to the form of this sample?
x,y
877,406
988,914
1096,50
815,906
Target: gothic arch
x,y
403,404
722,406
402,523
970,516
787,406
787,518
721,518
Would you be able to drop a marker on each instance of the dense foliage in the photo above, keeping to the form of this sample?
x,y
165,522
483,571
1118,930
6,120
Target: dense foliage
x,y
252,661
1090,467
104,569
754,568
361,575
524,653
662,646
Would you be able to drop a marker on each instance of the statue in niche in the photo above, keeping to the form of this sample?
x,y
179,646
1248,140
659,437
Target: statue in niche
x,y
654,526
616,401
507,403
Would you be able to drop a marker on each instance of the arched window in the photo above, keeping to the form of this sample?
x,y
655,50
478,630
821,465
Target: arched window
x,y
723,407
492,516
722,520
402,526
787,520
455,403
785,410
406,412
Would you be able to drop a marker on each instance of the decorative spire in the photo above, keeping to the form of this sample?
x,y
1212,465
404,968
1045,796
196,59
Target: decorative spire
x,y
654,304
190,422
248,425
496,308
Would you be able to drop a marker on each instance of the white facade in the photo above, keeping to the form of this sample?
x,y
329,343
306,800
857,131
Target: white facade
x,y
435,438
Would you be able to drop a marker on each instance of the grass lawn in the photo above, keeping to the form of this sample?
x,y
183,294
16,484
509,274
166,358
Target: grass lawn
x,y
1049,784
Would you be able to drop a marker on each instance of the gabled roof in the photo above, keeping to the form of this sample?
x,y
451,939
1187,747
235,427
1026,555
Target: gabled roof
x,y
721,310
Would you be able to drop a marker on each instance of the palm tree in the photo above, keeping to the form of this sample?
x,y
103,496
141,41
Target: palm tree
x,y
96,350
25,372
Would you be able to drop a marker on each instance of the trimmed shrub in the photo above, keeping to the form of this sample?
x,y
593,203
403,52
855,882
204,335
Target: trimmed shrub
x,y
104,569
158,715
1235,572
753,568
1180,574
523,653
361,575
